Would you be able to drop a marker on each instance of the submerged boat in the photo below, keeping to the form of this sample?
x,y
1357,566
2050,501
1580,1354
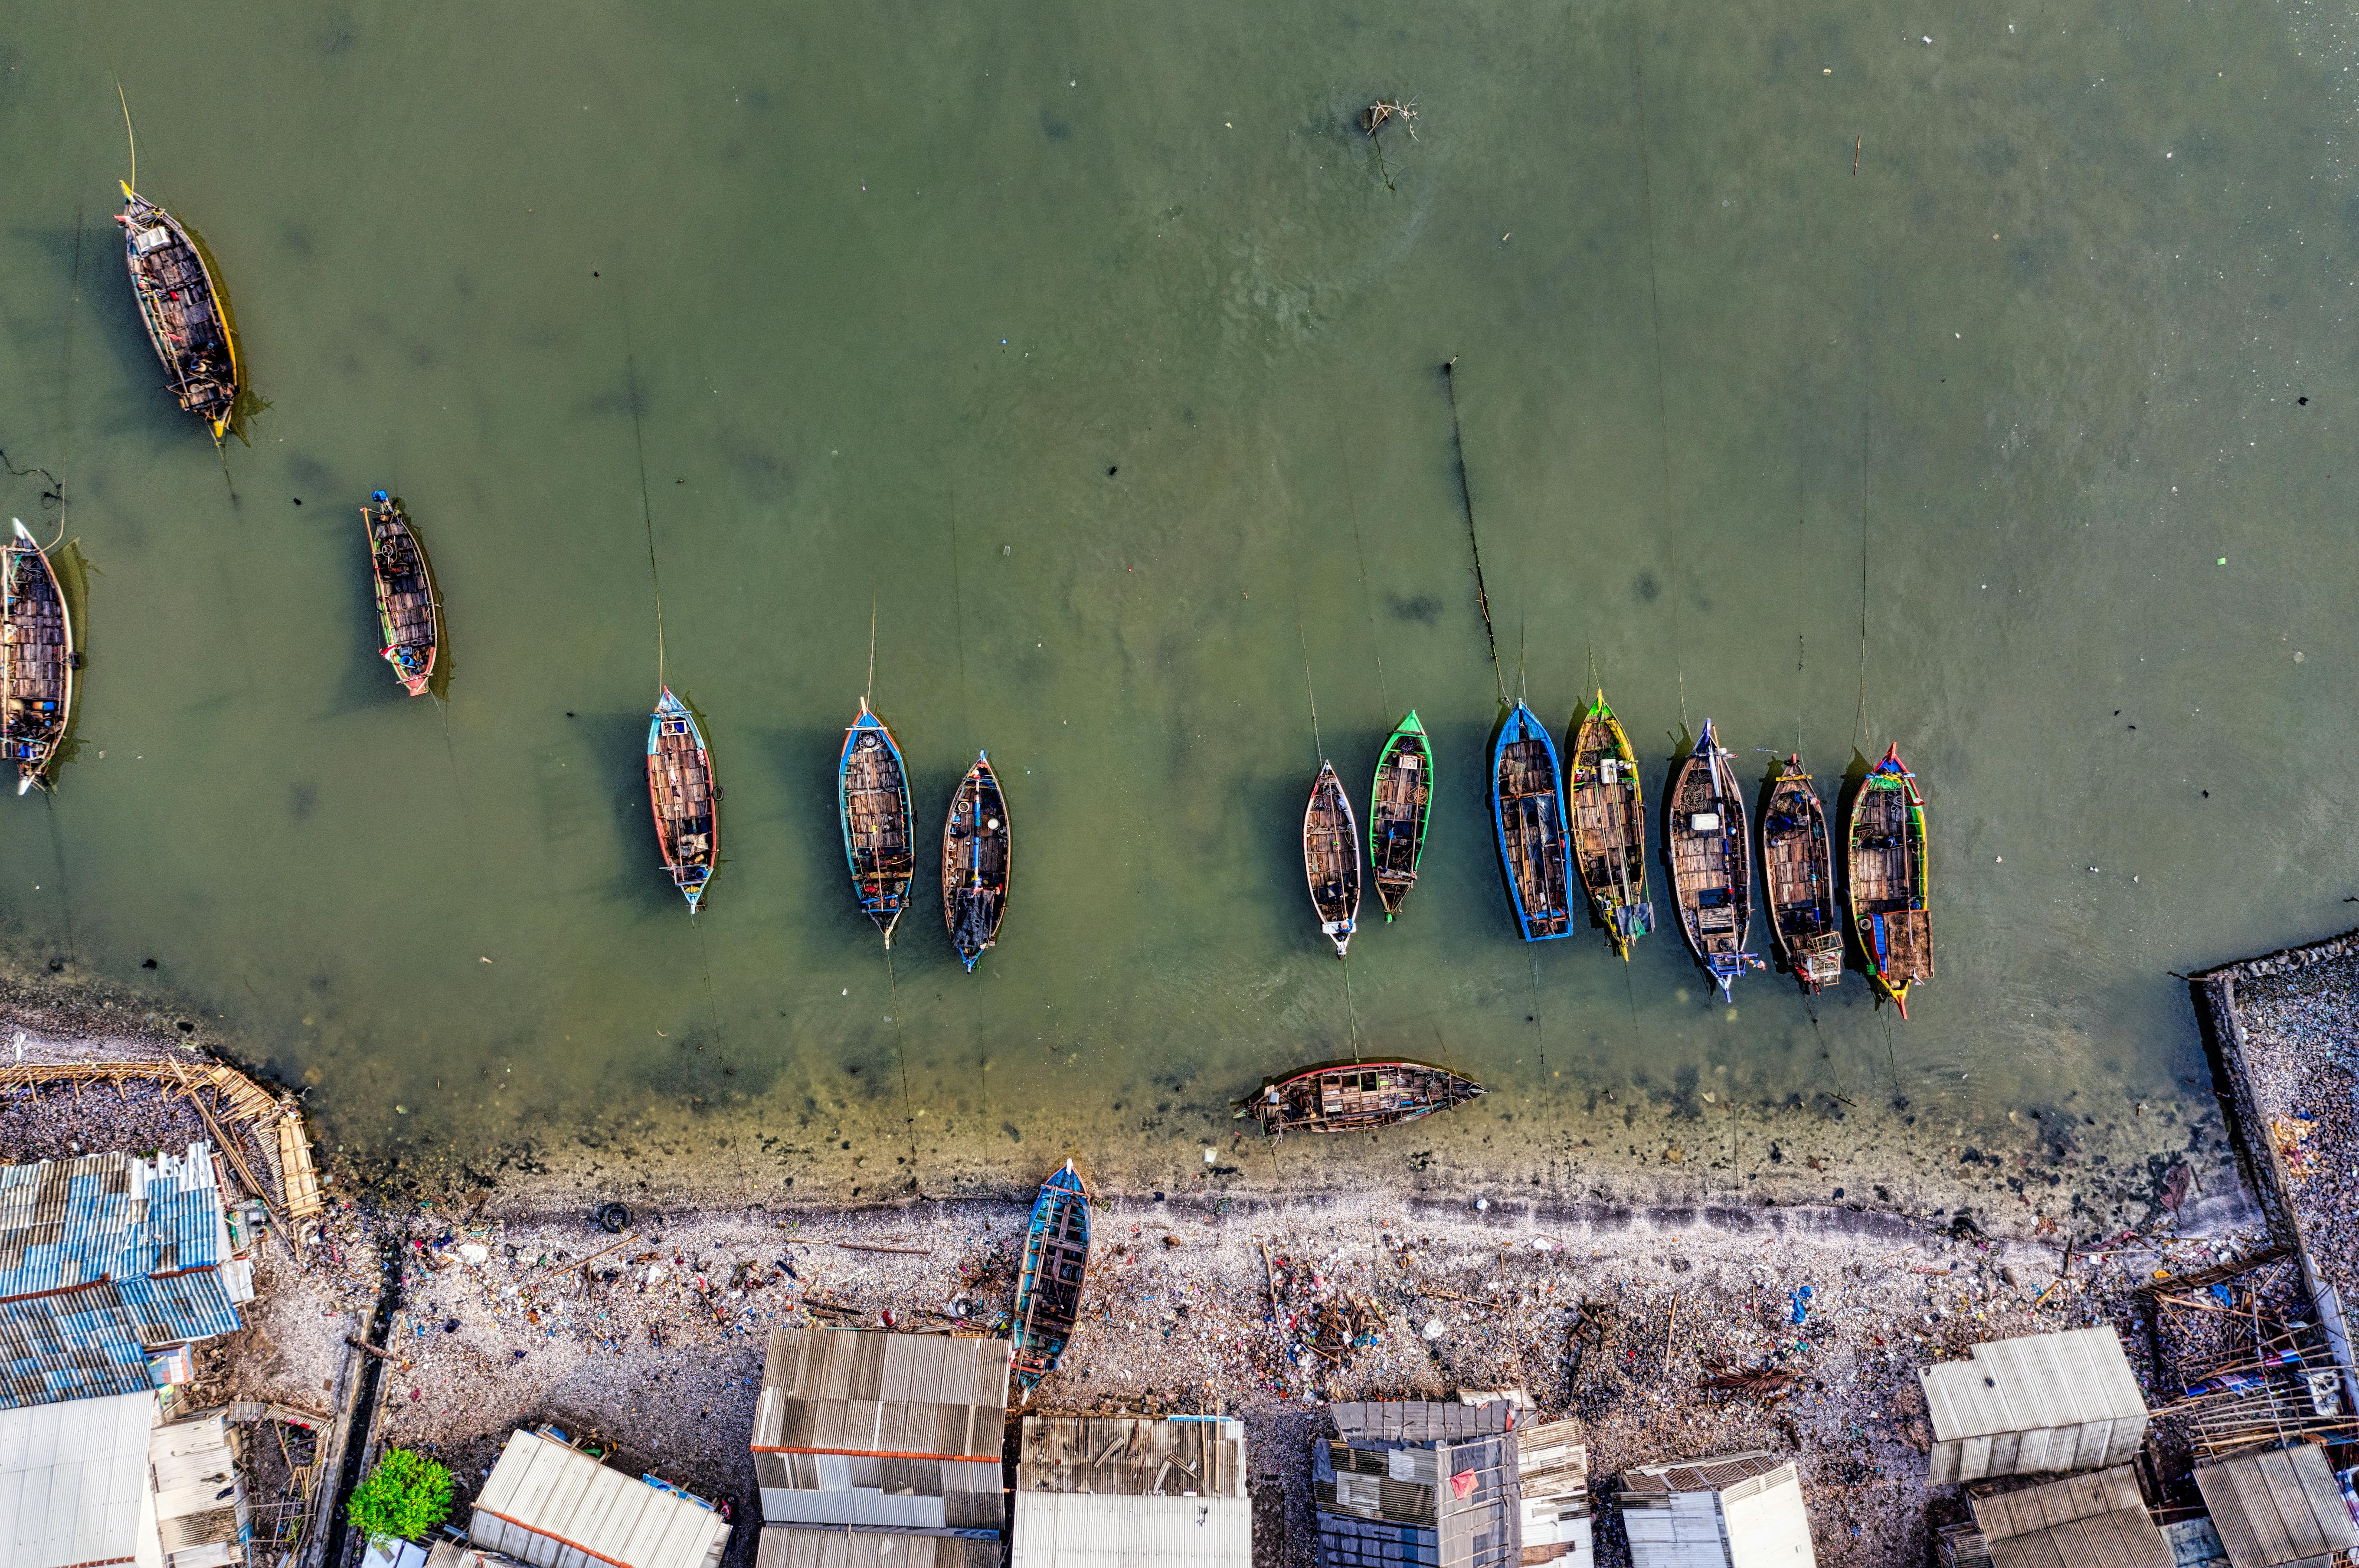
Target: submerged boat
x,y
1710,849
409,615
1331,858
1350,1096
36,660
181,306
1527,810
1609,827
1886,837
1798,863
872,792
974,862
1049,1285
1398,804
687,805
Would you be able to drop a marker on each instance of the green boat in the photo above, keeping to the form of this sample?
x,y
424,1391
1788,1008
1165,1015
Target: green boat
x,y
1399,805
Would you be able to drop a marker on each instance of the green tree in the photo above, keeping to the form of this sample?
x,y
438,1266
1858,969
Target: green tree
x,y
405,1495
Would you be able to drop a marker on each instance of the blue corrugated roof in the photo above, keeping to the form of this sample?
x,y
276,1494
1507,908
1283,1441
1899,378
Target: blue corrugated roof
x,y
105,1256
105,1216
79,1346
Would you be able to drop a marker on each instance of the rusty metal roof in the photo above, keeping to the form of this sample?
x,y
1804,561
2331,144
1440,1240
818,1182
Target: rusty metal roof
x,y
863,1392
2280,1507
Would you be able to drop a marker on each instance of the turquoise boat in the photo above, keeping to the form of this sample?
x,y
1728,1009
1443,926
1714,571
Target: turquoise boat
x,y
1048,1288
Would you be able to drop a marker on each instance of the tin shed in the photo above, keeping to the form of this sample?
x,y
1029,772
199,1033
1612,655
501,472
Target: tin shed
x,y
1739,1510
1553,1473
1417,1482
555,1507
2048,1402
844,1546
1132,1493
73,1482
2082,1521
2277,1507
901,1430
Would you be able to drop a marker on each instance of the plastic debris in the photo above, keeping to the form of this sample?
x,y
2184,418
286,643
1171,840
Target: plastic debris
x,y
1435,1328
1800,1301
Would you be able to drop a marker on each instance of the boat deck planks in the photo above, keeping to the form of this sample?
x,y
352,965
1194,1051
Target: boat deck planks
x,y
975,851
1049,1283
1889,878
1528,812
1609,827
1351,1096
409,614
36,675
1400,802
1330,858
1798,863
1709,844
873,797
680,790
180,304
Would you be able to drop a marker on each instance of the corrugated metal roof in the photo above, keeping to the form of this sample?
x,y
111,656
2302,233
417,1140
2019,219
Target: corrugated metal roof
x,y
2049,1401
839,1546
2275,1508
72,1477
1715,1475
865,1391
2082,1522
81,1345
1133,1457
1075,1530
1418,1421
553,1507
69,1222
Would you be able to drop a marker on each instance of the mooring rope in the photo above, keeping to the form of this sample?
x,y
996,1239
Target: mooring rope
x,y
1662,404
1466,501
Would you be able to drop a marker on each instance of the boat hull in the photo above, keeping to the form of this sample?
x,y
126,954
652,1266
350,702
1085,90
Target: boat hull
x,y
181,306
1528,816
1609,827
1797,866
36,662
683,797
872,794
976,855
1357,1097
1400,800
1890,881
409,610
1709,846
1330,858
1049,1282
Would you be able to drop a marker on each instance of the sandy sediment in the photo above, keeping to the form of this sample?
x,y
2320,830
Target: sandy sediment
x,y
1263,1282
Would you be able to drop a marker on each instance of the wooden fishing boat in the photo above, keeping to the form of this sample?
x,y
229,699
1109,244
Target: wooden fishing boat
x,y
687,804
1351,1096
1049,1285
1331,858
1528,812
872,792
974,862
1798,862
1609,827
37,661
181,306
409,614
1710,846
1888,881
1398,804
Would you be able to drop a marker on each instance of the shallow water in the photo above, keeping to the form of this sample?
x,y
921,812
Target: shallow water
x,y
1839,382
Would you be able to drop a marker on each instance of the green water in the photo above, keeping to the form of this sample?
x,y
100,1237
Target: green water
x,y
1095,349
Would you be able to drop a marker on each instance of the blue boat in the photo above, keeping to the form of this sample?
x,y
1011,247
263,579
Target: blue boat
x,y
872,791
1710,849
1049,1286
680,790
1527,810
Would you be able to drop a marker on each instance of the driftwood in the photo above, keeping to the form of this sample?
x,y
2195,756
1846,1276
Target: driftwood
x,y
872,1246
